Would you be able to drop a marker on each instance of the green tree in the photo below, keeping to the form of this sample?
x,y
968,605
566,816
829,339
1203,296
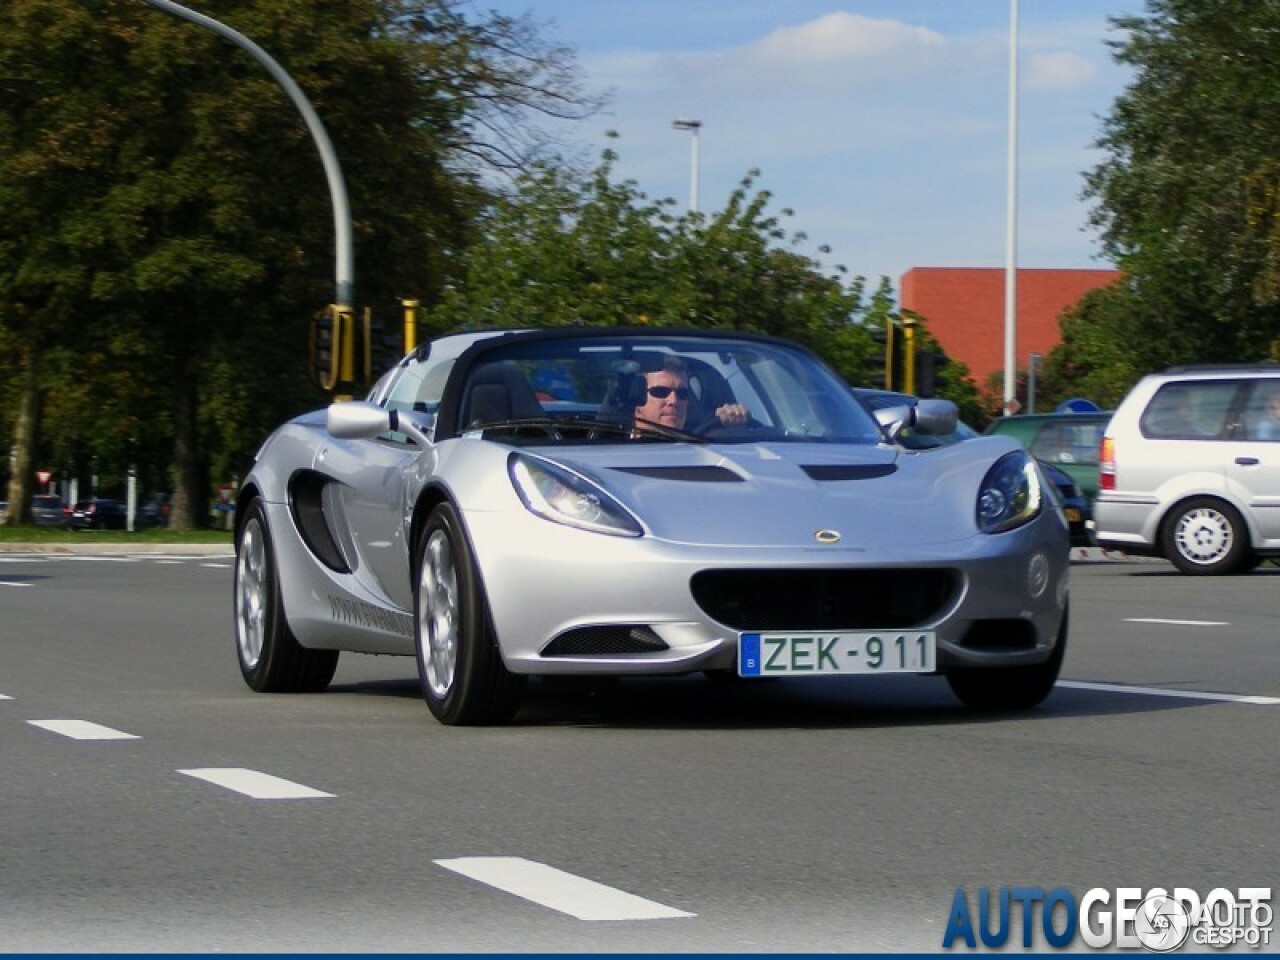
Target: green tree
x,y
563,249
165,211
1189,145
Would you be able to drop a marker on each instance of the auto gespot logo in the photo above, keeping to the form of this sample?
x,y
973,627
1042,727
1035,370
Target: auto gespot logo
x,y
1126,918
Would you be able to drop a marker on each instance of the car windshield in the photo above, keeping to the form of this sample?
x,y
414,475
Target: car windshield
x,y
611,388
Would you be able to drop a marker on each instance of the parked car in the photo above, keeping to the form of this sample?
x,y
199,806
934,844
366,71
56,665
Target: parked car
x,y
458,518
1069,441
1075,506
99,514
1190,468
154,512
48,510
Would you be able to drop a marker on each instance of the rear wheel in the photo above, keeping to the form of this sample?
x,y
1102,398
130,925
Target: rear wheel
x,y
1206,536
271,659
1010,688
464,680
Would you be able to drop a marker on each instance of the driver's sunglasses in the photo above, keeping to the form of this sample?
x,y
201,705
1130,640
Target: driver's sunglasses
x,y
661,393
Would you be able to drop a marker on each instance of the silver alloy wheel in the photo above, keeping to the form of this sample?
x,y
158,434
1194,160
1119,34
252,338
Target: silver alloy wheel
x,y
1204,535
251,593
438,613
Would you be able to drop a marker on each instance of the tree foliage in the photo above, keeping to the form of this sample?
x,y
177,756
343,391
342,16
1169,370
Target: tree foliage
x,y
595,250
1186,195
165,214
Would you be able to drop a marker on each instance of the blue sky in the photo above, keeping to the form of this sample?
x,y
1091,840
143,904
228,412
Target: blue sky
x,y
882,125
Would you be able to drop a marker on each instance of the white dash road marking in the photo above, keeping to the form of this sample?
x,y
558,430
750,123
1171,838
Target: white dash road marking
x,y
260,786
1179,623
3,697
1163,692
82,730
558,890
13,583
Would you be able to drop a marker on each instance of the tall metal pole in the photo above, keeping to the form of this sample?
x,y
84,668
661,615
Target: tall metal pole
x,y
693,126
344,283
1011,230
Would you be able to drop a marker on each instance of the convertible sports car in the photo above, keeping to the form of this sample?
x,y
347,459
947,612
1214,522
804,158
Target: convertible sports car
x,y
596,501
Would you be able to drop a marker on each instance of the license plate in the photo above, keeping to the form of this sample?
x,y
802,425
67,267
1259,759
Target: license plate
x,y
828,654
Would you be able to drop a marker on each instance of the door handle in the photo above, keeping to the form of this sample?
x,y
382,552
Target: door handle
x,y
1247,461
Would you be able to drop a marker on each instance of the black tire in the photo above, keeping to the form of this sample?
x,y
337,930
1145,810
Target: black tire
x,y
1205,536
460,668
1010,688
271,659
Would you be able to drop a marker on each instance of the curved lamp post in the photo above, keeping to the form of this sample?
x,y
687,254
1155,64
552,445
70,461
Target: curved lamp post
x,y
344,286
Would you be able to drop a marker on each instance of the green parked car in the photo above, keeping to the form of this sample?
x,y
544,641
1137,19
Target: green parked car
x,y
1067,440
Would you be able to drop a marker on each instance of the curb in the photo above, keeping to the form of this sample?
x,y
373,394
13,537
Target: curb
x,y
1099,555
123,549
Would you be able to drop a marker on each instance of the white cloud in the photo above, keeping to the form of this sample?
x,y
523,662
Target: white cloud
x,y
841,36
1058,71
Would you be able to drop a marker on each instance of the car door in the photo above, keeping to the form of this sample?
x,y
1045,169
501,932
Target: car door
x,y
1252,464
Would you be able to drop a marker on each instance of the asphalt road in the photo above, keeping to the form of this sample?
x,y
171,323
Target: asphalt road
x,y
656,815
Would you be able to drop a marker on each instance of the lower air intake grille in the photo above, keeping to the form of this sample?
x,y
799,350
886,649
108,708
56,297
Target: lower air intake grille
x,y
600,641
823,599
1000,635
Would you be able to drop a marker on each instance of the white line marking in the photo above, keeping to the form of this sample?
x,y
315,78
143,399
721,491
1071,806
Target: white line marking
x,y
3,697
1162,692
217,566
1180,623
82,730
549,887
12,583
260,786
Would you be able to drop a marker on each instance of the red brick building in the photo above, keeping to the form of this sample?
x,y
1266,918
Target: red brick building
x,y
964,310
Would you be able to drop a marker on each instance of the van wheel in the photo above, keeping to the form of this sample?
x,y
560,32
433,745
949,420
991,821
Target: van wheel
x,y
1205,536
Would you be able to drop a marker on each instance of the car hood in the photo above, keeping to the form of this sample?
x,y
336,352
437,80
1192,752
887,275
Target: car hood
x,y
784,494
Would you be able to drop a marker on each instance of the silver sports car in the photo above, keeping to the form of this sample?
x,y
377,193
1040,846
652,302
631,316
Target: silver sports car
x,y
590,501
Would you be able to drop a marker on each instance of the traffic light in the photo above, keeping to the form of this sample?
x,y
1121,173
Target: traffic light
x,y
929,375
325,353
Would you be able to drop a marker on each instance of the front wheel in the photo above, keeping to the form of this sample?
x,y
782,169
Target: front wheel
x,y
464,680
1010,688
1206,536
271,659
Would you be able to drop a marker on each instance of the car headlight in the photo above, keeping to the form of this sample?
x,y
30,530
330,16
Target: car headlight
x,y
556,494
1011,493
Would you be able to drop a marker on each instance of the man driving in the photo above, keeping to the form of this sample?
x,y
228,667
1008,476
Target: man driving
x,y
666,399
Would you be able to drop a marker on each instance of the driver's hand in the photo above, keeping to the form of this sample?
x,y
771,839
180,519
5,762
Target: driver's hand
x,y
732,413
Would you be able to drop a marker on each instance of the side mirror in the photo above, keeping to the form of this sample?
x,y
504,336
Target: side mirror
x,y
935,417
359,419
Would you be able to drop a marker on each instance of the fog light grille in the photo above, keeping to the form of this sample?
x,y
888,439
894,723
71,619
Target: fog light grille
x,y
604,640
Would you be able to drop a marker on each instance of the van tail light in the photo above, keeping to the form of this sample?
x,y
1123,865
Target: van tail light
x,y
1107,464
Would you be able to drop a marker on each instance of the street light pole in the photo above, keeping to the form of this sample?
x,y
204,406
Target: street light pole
x,y
344,284
693,126
1011,230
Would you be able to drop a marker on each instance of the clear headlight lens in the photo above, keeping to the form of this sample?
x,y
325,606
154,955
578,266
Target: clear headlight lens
x,y
556,494
1011,493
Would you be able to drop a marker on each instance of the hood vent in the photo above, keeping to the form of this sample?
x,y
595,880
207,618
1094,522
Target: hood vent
x,y
823,472
695,474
